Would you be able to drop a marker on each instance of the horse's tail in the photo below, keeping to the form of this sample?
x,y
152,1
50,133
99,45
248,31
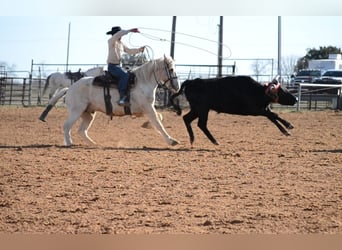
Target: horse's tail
x,y
58,96
52,103
46,85
176,106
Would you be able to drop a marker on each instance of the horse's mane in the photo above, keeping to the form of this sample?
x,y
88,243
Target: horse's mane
x,y
96,67
155,64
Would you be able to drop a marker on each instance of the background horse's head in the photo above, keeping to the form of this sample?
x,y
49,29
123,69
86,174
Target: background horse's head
x,y
94,71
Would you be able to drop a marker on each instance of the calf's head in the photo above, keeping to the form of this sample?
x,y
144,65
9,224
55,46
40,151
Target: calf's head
x,y
280,94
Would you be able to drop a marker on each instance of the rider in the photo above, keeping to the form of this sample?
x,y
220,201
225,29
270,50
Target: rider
x,y
115,50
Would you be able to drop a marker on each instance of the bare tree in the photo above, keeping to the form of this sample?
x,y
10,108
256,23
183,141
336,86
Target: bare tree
x,y
260,67
288,67
7,66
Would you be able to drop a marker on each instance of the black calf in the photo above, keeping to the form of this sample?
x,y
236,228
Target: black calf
x,y
240,95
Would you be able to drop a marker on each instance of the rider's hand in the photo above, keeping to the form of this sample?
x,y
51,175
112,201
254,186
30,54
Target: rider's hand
x,y
135,30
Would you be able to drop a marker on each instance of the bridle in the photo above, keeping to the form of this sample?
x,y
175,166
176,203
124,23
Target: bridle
x,y
168,72
170,78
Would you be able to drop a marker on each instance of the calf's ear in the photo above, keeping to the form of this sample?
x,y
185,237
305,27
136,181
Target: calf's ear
x,y
274,87
276,79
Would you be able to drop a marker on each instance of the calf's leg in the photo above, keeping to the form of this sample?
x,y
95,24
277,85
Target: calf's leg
x,y
273,117
276,116
202,124
284,122
188,118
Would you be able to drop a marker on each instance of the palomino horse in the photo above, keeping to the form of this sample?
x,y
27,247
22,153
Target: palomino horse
x,y
83,98
58,80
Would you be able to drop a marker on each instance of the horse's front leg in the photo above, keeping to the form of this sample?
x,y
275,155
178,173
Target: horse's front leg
x,y
153,116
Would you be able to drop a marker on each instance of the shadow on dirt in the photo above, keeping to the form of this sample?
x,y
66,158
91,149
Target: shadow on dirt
x,y
336,151
143,149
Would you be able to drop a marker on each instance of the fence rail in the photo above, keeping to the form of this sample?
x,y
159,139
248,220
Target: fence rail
x,y
312,92
21,91
27,91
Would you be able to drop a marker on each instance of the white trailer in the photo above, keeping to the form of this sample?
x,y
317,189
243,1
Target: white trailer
x,y
333,62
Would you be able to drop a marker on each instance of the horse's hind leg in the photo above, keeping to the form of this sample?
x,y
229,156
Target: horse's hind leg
x,y
87,120
73,117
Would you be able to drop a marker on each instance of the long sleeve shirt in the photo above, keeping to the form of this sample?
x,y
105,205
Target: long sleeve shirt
x,y
116,48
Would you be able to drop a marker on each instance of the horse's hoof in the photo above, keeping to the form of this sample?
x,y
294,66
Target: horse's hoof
x,y
146,125
174,142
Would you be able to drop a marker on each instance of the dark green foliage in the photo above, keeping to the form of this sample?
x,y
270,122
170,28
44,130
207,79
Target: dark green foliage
x,y
315,54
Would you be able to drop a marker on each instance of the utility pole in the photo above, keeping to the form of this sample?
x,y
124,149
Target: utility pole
x,y
173,37
67,61
220,43
279,46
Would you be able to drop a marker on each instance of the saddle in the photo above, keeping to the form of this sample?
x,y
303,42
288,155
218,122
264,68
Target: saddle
x,y
74,76
108,81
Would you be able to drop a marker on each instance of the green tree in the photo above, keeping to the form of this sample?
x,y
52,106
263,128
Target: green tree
x,y
315,54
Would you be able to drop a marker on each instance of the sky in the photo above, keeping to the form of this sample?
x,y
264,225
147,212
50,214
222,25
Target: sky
x,y
44,39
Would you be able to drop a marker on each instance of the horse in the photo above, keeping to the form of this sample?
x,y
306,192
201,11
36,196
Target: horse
x,y
58,80
83,98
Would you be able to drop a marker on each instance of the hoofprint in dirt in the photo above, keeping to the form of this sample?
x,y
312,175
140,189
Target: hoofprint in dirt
x,y
255,181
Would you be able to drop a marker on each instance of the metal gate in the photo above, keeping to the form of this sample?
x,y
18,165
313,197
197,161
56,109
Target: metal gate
x,y
21,91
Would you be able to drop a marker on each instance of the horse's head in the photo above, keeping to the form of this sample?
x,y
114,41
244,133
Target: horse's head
x,y
170,78
94,71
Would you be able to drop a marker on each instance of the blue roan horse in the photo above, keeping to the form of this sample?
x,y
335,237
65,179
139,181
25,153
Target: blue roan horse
x,y
57,80
83,98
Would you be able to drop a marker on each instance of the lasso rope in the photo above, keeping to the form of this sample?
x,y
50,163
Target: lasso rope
x,y
155,38
181,43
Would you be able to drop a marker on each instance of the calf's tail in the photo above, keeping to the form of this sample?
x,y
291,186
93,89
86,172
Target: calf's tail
x,y
175,103
52,102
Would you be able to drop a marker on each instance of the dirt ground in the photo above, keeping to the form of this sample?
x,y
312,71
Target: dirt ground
x,y
256,181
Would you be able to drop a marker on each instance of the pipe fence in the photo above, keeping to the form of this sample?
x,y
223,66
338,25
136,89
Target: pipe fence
x,y
27,91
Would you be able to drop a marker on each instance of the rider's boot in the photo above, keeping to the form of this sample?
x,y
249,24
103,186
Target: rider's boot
x,y
123,101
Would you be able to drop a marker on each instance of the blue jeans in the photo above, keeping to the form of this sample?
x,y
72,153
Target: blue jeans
x,y
117,71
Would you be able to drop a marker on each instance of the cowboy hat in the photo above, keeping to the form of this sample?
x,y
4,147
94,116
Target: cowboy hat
x,y
114,30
